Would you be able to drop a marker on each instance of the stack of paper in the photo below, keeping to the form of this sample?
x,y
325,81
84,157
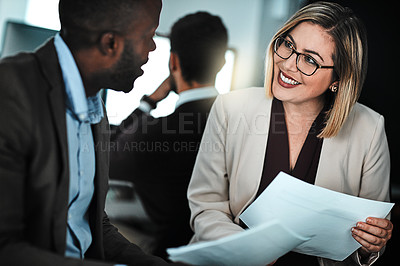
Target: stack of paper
x,y
289,215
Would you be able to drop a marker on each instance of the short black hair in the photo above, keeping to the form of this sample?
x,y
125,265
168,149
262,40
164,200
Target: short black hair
x,y
83,21
200,40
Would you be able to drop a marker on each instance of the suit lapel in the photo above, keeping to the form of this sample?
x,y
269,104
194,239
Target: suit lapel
x,y
100,133
101,138
48,61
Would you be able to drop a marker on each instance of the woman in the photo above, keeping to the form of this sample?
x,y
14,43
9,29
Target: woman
x,y
309,125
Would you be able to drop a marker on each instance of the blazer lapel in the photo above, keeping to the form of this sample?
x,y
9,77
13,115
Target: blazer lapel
x,y
48,61
101,138
333,160
253,148
100,133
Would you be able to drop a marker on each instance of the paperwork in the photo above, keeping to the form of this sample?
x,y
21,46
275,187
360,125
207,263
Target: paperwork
x,y
289,215
257,246
325,215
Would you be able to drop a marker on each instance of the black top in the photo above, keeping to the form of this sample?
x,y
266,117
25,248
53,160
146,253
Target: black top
x,y
277,159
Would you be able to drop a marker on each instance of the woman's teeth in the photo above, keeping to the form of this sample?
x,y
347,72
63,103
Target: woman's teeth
x,y
288,80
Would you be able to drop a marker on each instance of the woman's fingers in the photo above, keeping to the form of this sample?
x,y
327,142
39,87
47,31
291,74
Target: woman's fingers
x,y
373,234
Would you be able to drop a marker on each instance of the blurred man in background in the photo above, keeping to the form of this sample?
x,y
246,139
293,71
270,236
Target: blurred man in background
x,y
158,154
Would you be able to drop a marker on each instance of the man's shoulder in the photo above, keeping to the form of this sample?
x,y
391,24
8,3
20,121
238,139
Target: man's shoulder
x,y
16,65
18,74
26,67
197,106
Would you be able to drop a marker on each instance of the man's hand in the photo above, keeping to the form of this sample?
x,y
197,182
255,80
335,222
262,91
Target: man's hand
x,y
163,90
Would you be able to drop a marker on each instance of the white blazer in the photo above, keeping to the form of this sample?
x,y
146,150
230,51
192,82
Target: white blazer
x,y
230,161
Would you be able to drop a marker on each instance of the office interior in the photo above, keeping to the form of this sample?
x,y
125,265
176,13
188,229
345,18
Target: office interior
x,y
251,24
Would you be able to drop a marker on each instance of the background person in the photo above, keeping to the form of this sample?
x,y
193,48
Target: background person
x,y
158,154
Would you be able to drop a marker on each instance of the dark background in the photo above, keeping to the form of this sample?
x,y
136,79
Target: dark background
x,y
381,90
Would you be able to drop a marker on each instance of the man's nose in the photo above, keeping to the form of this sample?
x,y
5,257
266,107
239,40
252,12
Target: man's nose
x,y
153,45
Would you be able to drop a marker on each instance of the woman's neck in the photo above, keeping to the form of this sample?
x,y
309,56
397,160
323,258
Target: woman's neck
x,y
305,111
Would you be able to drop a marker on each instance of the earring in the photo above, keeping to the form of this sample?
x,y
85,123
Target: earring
x,y
333,88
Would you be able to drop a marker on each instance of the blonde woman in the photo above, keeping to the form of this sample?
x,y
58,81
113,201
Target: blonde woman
x,y
307,122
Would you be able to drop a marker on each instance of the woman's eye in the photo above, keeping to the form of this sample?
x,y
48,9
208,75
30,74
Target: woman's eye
x,y
310,60
288,44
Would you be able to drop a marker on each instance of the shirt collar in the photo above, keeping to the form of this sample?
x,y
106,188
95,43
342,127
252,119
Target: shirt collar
x,y
196,95
84,109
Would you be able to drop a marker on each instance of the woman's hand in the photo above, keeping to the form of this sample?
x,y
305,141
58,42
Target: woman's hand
x,y
372,234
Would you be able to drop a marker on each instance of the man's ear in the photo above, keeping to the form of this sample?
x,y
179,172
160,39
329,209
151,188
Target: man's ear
x,y
221,63
110,43
174,63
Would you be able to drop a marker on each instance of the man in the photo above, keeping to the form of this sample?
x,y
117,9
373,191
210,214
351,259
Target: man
x,y
158,154
53,160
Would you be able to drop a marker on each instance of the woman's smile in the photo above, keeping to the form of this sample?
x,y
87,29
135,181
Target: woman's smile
x,y
287,81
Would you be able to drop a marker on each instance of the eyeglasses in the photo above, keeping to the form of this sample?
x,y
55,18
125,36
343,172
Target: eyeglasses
x,y
306,64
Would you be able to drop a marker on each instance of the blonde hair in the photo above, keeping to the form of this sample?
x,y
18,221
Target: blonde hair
x,y
350,57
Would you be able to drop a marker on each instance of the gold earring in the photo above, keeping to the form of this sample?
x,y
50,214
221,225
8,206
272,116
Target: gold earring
x,y
333,88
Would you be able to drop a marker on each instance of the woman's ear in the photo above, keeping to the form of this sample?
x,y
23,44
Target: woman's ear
x,y
334,86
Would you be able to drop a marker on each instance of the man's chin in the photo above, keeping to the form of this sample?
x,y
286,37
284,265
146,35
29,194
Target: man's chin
x,y
125,87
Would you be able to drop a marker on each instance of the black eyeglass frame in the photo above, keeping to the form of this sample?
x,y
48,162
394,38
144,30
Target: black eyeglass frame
x,y
318,66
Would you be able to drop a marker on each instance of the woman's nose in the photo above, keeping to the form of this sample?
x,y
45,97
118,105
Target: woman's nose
x,y
290,63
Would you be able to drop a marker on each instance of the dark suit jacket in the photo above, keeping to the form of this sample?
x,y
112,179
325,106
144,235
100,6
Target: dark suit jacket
x,y
158,155
34,171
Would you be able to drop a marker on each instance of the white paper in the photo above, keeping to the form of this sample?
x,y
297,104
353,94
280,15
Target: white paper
x,y
257,246
325,215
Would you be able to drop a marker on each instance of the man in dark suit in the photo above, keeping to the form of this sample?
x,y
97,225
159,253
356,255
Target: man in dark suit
x,y
54,138
158,154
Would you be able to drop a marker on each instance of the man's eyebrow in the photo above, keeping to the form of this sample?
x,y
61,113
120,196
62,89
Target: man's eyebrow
x,y
306,50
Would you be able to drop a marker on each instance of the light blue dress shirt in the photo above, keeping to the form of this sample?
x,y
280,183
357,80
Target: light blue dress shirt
x,y
81,112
